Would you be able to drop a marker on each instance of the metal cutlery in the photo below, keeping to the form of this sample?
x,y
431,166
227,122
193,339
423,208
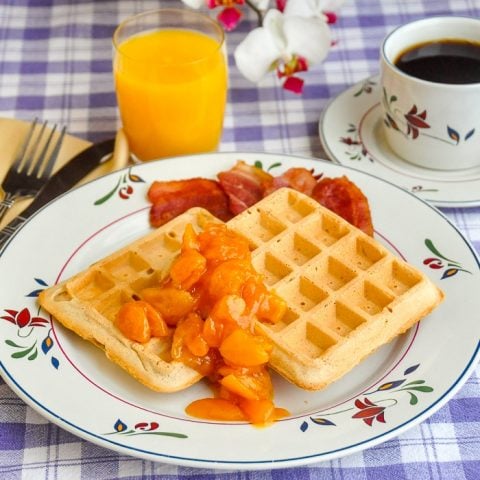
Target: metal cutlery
x,y
67,177
32,166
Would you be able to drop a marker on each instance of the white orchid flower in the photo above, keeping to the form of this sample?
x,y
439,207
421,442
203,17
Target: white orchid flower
x,y
311,8
260,4
280,42
194,3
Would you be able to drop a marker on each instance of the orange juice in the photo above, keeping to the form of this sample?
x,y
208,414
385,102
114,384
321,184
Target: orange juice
x,y
171,88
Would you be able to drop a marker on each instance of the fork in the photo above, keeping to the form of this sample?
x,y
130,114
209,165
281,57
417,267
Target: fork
x,y
32,166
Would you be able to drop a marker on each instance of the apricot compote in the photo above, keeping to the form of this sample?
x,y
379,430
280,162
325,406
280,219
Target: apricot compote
x,y
211,301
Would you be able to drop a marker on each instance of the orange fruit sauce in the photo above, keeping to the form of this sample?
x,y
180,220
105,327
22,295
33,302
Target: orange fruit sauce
x,y
209,304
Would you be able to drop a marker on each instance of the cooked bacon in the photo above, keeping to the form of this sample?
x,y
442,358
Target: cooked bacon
x,y
345,199
299,179
244,185
171,198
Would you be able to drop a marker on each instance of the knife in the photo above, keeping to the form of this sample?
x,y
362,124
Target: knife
x,y
64,179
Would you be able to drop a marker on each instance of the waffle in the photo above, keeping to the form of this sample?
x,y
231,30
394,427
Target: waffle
x,y
347,295
88,303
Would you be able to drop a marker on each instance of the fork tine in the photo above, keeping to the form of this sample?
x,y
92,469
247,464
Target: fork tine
x,y
38,161
21,154
53,155
32,162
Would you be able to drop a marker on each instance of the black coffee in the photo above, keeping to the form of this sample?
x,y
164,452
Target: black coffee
x,y
443,61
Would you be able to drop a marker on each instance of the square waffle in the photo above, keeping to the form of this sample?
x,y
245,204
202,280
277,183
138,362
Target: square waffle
x,y
347,295
88,303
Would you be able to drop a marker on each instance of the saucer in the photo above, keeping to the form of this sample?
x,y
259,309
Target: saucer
x,y
351,132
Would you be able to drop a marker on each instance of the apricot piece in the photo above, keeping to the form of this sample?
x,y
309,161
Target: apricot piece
x,y
215,409
258,381
132,321
194,341
243,349
218,244
188,268
229,277
172,303
213,332
230,311
225,370
189,334
190,238
236,386
158,327
265,304
253,292
258,412
280,413
272,308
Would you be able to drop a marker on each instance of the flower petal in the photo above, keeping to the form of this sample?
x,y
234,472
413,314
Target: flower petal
x,y
307,37
229,18
252,61
23,318
293,84
311,8
194,3
260,4
273,23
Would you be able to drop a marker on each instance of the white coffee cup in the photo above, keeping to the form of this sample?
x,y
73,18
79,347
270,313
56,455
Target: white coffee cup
x,y
429,124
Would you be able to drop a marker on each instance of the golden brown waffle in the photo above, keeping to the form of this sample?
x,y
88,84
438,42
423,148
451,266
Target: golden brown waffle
x,y
88,303
347,295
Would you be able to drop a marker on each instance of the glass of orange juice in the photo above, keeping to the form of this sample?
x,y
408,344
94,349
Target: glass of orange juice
x,y
170,71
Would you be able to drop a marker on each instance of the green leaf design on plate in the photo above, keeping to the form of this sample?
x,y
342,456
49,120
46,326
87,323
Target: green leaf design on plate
x,y
109,194
10,343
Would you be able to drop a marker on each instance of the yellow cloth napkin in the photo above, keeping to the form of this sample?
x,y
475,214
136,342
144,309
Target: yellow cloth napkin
x,y
12,134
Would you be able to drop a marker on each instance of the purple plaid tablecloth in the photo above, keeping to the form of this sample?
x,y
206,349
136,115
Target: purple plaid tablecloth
x,y
55,63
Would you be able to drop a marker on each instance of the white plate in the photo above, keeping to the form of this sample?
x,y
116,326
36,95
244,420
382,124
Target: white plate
x,y
351,133
72,383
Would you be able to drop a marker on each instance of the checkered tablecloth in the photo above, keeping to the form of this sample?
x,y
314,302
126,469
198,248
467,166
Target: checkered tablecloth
x,y
55,63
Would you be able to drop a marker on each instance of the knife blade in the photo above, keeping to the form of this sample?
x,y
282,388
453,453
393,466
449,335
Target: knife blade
x,y
64,179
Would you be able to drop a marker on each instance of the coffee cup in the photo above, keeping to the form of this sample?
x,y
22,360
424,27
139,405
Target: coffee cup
x,y
430,78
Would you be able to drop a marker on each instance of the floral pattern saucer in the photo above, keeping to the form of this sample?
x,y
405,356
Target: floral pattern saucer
x,y
72,383
351,132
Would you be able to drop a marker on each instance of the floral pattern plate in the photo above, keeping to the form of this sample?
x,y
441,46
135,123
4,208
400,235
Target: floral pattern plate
x,y
72,383
350,129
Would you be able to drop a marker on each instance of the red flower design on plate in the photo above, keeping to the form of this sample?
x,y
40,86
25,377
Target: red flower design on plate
x,y
369,411
23,318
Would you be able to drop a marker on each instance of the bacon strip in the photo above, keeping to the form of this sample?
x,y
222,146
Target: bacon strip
x,y
297,178
244,185
171,198
345,199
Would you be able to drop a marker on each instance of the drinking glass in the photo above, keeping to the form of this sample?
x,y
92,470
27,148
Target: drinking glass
x,y
171,75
